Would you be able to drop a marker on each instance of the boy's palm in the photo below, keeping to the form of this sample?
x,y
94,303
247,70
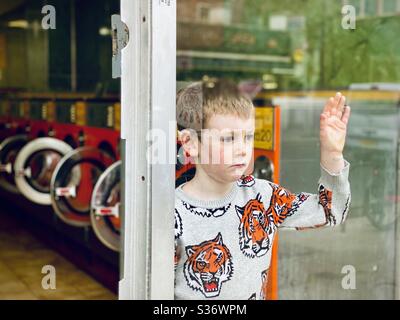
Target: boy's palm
x,y
333,124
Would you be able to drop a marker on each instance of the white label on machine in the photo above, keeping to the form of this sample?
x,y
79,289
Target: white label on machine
x,y
108,211
66,192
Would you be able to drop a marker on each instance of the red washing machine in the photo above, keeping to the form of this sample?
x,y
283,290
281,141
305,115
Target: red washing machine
x,y
53,119
17,130
10,147
77,173
101,130
40,125
34,167
7,156
5,118
19,116
64,123
36,161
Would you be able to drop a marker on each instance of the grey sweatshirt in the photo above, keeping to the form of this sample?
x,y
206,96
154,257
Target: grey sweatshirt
x,y
223,247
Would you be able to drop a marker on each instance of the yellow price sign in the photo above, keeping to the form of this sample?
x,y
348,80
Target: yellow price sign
x,y
49,111
264,130
80,113
117,116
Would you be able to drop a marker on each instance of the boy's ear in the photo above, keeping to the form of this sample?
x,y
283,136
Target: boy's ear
x,y
189,142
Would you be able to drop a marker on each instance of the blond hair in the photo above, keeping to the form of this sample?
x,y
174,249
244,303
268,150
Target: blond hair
x,y
199,101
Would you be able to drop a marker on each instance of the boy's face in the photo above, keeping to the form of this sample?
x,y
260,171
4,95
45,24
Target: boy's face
x,y
226,147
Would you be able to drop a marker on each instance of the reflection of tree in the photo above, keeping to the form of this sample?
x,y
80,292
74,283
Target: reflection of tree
x,y
367,54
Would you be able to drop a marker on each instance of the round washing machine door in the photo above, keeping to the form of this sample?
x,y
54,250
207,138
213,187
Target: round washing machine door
x,y
34,167
9,149
105,207
73,181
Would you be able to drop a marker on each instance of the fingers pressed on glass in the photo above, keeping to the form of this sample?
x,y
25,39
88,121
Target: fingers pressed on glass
x,y
330,105
341,106
346,115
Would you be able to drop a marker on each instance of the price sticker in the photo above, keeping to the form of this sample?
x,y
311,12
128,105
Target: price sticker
x,y
264,131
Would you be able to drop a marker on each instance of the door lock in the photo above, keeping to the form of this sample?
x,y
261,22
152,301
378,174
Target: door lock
x,y
120,38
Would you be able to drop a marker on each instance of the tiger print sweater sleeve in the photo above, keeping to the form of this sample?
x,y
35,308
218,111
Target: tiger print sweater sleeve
x,y
327,208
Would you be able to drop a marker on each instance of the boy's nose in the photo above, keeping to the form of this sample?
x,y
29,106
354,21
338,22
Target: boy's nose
x,y
240,148
242,152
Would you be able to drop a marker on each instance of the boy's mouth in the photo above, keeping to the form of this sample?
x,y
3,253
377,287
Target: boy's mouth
x,y
238,165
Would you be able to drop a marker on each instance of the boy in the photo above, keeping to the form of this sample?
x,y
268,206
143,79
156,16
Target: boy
x,y
225,220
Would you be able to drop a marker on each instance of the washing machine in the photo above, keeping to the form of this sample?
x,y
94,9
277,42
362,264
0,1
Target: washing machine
x,y
77,173
9,149
19,116
105,207
73,181
34,166
64,124
40,126
12,145
4,118
52,137
101,130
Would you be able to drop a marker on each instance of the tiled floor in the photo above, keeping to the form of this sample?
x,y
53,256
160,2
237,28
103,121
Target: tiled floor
x,y
22,258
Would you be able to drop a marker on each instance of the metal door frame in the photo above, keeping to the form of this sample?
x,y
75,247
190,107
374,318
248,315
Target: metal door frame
x,y
148,86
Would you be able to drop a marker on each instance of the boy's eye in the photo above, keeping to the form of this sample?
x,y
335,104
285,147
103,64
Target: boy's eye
x,y
227,139
230,139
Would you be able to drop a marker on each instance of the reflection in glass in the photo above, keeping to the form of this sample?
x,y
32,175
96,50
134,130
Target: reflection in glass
x,y
300,54
41,166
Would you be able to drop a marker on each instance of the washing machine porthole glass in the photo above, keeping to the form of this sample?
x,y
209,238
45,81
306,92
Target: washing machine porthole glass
x,y
39,168
35,165
105,207
73,182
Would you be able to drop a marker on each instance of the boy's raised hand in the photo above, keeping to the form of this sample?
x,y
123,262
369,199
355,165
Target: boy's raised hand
x,y
333,127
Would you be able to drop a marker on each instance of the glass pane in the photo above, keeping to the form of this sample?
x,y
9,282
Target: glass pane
x,y
370,7
322,255
300,54
357,5
48,55
55,83
390,6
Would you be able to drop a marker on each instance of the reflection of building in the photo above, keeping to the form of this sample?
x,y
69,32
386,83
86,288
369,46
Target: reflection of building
x,y
203,11
214,39
373,8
